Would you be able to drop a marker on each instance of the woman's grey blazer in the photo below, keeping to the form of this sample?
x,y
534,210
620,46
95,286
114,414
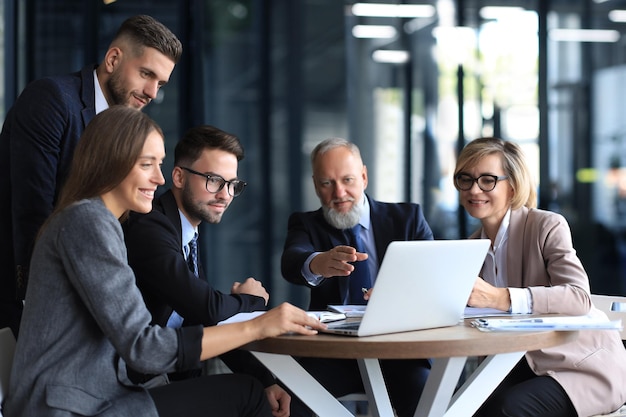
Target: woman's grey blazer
x,y
83,318
541,257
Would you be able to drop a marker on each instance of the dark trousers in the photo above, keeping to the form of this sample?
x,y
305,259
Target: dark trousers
x,y
405,379
228,395
524,394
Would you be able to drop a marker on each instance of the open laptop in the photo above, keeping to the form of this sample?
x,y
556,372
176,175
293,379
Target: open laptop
x,y
420,285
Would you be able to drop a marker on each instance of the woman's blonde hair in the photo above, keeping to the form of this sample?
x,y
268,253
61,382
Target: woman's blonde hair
x,y
513,163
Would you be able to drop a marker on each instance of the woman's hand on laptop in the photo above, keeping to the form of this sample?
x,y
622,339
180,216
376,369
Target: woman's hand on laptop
x,y
485,295
286,318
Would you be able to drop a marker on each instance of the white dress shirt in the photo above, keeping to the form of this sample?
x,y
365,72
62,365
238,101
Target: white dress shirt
x,y
495,270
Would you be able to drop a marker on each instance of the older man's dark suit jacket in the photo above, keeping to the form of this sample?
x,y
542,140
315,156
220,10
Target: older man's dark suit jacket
x,y
154,245
309,232
37,143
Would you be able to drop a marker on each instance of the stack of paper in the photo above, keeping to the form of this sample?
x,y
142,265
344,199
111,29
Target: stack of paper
x,y
547,323
239,317
323,316
327,316
350,310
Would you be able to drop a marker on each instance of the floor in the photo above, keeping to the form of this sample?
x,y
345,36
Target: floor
x,y
217,366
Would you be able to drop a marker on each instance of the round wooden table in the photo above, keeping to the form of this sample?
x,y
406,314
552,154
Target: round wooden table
x,y
449,347
462,340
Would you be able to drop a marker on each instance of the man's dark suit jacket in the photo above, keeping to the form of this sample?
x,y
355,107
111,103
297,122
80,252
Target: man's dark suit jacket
x,y
309,232
154,245
37,143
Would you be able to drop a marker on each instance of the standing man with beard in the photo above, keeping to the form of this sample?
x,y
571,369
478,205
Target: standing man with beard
x,y
160,249
43,127
319,254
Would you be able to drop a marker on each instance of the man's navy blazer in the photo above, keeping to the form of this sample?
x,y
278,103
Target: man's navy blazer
x,y
154,245
309,232
37,144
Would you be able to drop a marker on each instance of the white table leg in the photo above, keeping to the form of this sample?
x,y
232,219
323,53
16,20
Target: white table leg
x,y
375,388
440,385
437,399
293,375
482,382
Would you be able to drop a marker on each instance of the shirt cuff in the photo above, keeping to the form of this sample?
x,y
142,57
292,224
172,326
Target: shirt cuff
x,y
521,301
309,276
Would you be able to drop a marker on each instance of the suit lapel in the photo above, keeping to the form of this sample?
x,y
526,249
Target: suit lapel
x,y
338,237
382,228
166,204
88,96
515,252
335,237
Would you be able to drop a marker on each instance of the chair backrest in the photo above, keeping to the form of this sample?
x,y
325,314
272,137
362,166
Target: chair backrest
x,y
7,349
604,303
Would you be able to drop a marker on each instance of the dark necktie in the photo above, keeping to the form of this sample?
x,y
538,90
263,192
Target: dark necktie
x,y
175,319
360,277
192,258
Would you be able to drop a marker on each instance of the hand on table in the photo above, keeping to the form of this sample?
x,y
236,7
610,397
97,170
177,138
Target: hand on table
x,y
252,287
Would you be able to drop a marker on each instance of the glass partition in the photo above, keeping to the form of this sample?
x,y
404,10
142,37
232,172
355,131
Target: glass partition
x,y
410,85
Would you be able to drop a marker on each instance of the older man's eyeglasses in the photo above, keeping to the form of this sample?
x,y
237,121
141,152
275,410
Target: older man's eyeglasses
x,y
465,182
214,183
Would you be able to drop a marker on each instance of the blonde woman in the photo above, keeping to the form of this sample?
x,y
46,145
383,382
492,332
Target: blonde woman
x,y
532,267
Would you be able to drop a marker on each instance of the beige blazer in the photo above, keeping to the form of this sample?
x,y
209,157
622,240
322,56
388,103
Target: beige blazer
x,y
541,257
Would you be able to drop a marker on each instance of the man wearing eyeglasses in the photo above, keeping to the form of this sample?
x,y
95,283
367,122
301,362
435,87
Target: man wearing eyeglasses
x,y
162,250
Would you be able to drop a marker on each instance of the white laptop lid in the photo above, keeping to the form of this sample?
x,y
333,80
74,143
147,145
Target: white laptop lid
x,y
421,285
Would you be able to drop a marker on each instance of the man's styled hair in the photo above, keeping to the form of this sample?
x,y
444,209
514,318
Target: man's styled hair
x,y
143,31
332,143
197,139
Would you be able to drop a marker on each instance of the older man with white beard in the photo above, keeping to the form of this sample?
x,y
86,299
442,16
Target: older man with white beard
x,y
347,237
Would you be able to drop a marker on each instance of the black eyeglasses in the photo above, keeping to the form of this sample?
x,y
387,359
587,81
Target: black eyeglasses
x,y
214,183
465,182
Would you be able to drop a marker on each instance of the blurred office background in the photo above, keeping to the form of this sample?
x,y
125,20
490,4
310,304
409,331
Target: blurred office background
x,y
410,82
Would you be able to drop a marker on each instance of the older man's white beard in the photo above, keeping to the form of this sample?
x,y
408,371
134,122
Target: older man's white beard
x,y
343,220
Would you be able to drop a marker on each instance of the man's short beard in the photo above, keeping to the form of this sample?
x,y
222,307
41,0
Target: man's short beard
x,y
342,221
115,88
198,210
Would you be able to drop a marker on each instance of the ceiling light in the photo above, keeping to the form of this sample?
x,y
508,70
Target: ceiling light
x,y
584,35
617,15
374,31
392,10
497,12
387,56
454,34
